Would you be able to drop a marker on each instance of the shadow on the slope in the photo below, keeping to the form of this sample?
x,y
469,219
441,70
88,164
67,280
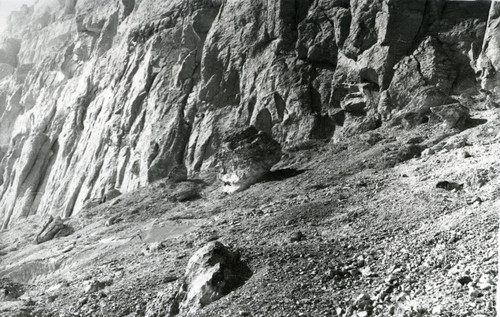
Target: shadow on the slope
x,y
472,123
281,174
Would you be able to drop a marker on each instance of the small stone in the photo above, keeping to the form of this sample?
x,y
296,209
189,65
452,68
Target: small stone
x,y
111,221
463,280
401,297
390,279
363,301
415,140
476,200
360,261
118,274
474,293
97,285
82,301
339,311
51,298
466,154
485,282
213,237
427,152
134,211
437,310
392,309
297,236
449,185
170,279
362,314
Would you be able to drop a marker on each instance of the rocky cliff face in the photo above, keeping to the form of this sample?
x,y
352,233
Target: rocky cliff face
x,y
98,98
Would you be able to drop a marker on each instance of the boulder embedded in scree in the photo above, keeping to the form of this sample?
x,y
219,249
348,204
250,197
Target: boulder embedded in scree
x,y
453,115
53,228
245,157
212,272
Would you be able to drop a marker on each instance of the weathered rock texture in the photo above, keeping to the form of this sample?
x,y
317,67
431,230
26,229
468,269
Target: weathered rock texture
x,y
245,157
212,272
100,97
53,228
489,62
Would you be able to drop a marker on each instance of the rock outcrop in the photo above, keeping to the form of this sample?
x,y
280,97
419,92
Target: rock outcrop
x,y
103,97
489,61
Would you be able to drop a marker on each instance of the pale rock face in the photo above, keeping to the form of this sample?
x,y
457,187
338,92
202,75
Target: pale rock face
x,y
489,62
102,97
111,101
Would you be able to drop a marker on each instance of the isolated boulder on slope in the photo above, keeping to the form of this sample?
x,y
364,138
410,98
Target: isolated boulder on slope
x,y
246,156
212,272
453,115
53,228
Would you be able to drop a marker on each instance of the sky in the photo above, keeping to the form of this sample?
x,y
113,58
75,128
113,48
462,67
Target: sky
x,y
6,7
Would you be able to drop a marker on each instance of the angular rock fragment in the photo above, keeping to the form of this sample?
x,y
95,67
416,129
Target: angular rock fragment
x,y
186,191
454,115
53,228
297,236
246,156
96,285
354,103
212,272
412,119
10,290
463,280
449,185
178,174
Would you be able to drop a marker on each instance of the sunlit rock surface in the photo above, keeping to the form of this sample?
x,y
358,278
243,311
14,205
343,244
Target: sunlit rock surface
x,y
103,97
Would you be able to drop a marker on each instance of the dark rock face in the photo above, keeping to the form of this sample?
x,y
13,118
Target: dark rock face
x,y
115,95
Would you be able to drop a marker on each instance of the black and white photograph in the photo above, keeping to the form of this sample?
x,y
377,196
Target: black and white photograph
x,y
249,158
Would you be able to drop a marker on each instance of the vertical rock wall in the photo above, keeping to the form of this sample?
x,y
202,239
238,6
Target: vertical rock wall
x,y
99,98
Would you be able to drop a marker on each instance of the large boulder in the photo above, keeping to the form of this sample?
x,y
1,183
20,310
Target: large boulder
x,y
53,228
453,115
211,273
421,75
246,156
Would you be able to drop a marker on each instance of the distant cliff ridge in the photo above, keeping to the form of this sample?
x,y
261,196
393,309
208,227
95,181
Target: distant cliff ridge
x,y
98,98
